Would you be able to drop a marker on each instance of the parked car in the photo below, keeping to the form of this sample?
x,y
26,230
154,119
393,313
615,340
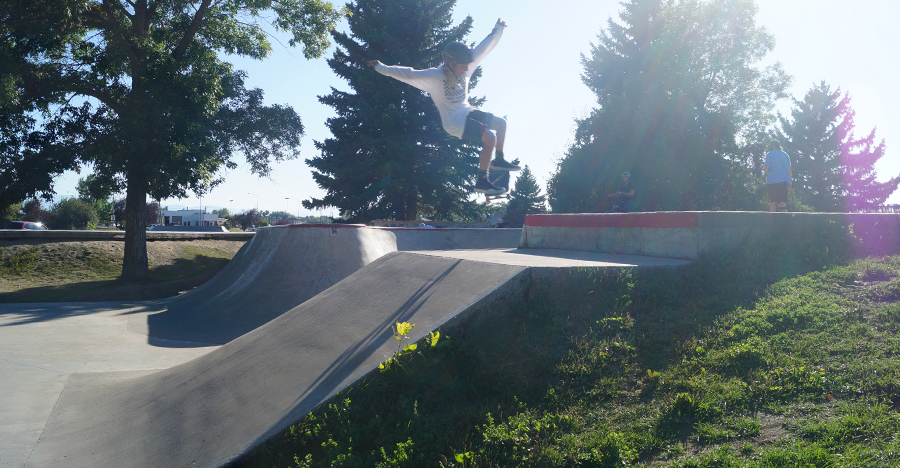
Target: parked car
x,y
26,225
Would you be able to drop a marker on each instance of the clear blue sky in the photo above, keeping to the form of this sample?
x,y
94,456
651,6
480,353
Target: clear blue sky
x,y
533,77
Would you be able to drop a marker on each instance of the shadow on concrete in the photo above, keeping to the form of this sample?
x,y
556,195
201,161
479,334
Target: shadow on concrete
x,y
351,359
27,313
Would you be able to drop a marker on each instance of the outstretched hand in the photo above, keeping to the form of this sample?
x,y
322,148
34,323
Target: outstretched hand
x,y
501,22
373,63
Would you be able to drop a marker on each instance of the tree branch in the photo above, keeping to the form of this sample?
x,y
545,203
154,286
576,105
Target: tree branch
x,y
107,22
192,30
121,8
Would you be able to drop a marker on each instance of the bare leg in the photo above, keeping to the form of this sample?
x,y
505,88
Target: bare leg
x,y
489,140
499,125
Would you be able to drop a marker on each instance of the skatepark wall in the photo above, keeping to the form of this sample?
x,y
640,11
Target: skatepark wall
x,y
454,239
688,234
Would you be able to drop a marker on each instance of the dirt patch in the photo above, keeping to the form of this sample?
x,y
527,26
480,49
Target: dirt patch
x,y
34,271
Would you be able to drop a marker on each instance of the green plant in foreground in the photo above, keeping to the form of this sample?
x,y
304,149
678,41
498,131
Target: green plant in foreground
x,y
401,332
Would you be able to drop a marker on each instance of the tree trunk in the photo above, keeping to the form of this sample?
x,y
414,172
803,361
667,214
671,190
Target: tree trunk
x,y
134,266
412,208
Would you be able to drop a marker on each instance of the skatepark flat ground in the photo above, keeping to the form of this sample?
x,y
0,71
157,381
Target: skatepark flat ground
x,y
122,384
553,258
43,345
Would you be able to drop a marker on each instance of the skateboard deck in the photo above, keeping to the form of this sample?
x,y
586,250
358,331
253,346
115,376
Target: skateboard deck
x,y
501,180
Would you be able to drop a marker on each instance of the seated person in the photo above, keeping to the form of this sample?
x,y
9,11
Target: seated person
x,y
623,200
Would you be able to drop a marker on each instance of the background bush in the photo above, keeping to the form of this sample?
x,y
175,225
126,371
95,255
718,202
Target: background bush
x,y
73,213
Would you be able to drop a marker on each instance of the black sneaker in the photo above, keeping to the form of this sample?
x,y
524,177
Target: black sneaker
x,y
486,187
500,164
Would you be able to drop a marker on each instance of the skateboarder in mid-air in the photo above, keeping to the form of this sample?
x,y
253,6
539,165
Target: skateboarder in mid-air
x,y
448,86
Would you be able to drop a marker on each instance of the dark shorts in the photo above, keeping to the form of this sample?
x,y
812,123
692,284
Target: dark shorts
x,y
476,123
778,192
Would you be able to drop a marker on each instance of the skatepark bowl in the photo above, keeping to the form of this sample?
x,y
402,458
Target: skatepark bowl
x,y
300,313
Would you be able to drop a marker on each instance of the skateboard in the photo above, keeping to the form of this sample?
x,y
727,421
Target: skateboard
x,y
500,179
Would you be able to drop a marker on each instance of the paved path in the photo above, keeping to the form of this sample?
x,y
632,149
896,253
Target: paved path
x,y
42,346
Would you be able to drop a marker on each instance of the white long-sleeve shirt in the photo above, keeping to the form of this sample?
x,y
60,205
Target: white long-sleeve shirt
x,y
451,99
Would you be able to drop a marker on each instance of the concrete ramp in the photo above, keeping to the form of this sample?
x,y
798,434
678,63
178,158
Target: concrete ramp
x,y
211,410
277,270
281,267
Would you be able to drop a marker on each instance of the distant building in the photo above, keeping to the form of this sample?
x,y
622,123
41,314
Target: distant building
x,y
190,218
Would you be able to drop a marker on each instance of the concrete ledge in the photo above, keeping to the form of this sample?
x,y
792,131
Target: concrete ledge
x,y
686,235
66,236
452,239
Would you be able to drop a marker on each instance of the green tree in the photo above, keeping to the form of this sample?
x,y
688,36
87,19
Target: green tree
x,y
678,95
73,213
389,157
10,213
525,199
136,90
33,211
832,169
98,196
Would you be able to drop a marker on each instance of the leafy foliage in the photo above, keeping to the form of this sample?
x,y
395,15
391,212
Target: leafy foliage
x,y
678,96
833,169
136,91
248,218
389,157
73,213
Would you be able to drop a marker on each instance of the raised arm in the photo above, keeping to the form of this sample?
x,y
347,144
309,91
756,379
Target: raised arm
x,y
488,44
416,78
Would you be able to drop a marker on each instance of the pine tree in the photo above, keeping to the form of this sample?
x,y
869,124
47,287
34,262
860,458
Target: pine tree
x,y
677,90
525,199
389,156
832,169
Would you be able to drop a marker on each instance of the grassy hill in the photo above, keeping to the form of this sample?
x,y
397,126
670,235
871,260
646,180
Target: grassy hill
x,y
38,271
772,356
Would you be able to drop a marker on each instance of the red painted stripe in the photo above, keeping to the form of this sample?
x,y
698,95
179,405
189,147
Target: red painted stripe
x,y
356,226
666,219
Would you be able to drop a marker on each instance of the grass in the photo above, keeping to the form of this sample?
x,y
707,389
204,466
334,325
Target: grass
x,y
85,272
772,356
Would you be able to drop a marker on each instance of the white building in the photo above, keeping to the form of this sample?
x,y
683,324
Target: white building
x,y
189,218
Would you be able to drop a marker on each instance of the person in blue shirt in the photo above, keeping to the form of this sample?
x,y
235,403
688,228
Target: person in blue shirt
x,y
777,169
